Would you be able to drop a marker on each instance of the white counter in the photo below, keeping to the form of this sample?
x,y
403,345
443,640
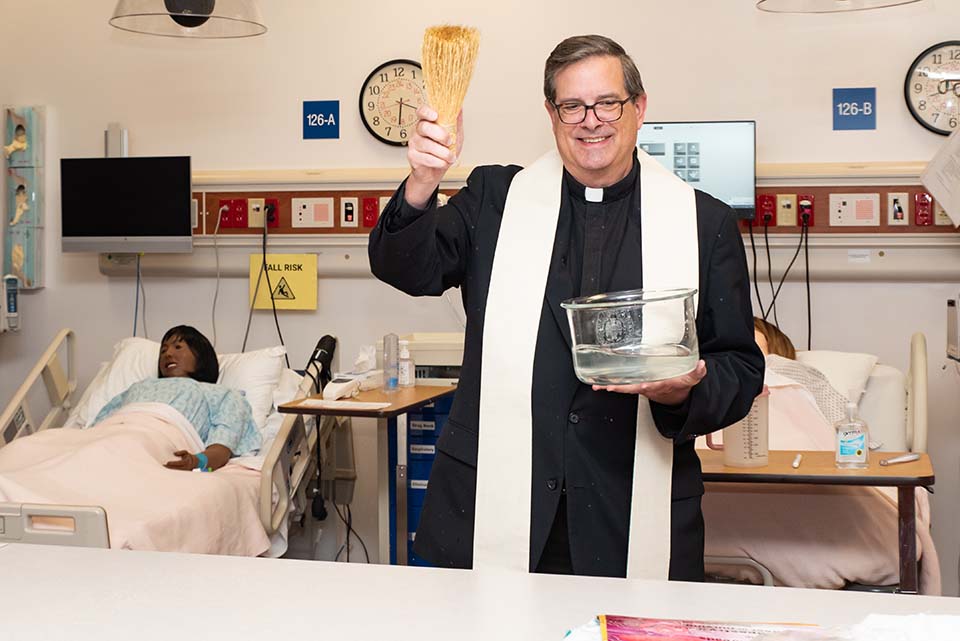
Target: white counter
x,y
86,594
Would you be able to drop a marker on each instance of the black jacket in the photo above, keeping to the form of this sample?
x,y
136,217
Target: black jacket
x,y
588,452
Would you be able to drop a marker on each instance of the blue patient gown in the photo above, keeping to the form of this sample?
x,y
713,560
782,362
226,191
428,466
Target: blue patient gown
x,y
220,415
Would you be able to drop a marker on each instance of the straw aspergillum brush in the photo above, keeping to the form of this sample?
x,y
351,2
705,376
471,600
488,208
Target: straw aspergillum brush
x,y
449,55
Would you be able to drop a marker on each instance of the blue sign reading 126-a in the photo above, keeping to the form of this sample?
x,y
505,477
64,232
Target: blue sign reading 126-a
x,y
321,119
855,108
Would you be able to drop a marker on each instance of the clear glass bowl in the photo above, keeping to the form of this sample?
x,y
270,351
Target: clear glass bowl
x,y
634,336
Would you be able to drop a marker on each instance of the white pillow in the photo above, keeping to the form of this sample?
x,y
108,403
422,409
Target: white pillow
x,y
287,390
134,359
847,371
255,373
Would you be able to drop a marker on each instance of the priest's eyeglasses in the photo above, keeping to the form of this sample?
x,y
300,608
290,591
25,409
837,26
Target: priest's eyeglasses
x,y
573,113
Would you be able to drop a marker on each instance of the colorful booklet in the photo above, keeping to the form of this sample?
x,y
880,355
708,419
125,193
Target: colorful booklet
x,y
618,628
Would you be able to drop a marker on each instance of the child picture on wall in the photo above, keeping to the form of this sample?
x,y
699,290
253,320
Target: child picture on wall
x,y
19,142
20,258
21,204
22,136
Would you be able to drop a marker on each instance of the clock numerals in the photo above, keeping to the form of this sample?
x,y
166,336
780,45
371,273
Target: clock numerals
x,y
932,87
389,100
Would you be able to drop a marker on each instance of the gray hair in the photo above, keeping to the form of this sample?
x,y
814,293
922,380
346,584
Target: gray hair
x,y
577,48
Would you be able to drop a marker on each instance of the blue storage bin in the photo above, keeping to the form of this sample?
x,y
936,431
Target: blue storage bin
x,y
439,406
421,451
413,516
425,426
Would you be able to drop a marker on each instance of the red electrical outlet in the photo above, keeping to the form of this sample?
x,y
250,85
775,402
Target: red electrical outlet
x,y
805,209
272,211
235,213
923,209
371,211
766,211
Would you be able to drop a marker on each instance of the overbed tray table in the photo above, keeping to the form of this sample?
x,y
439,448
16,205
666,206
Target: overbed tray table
x,y
400,402
818,468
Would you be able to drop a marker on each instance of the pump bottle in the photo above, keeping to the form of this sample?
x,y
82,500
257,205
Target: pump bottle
x,y
852,444
407,371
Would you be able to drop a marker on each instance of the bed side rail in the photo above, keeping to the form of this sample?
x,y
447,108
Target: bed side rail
x,y
917,394
17,419
288,465
78,526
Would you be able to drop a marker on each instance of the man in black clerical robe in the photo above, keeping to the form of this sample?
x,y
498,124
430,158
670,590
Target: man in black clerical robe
x,y
583,436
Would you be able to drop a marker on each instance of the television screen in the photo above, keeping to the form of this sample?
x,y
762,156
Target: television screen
x,y
126,204
716,157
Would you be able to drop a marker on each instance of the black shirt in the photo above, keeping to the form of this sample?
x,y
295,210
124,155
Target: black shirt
x,y
604,250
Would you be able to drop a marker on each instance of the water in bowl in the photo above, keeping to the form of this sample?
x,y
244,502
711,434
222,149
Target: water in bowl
x,y
631,363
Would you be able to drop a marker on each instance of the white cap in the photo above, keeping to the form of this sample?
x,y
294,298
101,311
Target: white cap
x,y
404,349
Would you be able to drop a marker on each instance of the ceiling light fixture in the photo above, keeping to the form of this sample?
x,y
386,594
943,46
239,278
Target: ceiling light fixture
x,y
826,6
190,18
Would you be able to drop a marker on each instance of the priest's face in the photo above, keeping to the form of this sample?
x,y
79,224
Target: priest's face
x,y
595,152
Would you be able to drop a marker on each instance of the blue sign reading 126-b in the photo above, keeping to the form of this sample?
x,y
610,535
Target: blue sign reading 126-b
x,y
855,108
321,119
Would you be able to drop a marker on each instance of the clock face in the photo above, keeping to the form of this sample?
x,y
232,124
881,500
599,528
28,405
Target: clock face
x,y
932,87
389,100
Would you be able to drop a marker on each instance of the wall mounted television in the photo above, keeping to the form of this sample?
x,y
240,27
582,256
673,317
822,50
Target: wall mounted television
x,y
139,204
718,157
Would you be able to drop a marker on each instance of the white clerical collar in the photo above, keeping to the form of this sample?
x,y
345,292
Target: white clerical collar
x,y
593,194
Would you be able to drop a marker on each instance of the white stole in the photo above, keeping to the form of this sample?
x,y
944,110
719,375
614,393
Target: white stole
x,y
511,323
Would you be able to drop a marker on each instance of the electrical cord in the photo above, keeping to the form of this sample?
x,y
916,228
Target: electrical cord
x,y
216,256
348,522
784,277
136,298
253,300
143,313
806,262
773,301
273,303
756,279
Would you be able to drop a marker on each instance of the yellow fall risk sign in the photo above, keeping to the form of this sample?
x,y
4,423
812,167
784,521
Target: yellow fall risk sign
x,y
291,279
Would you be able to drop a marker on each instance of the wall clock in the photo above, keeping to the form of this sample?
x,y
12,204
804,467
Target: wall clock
x,y
389,99
932,87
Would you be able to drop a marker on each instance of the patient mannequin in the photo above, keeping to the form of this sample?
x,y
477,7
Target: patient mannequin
x,y
798,387
222,417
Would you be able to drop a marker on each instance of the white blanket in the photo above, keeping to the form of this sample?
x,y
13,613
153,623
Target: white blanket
x,y
118,465
812,536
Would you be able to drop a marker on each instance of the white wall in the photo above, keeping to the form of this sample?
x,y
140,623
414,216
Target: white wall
x,y
236,104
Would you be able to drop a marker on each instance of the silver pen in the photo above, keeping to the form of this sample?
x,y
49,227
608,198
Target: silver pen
x,y
905,458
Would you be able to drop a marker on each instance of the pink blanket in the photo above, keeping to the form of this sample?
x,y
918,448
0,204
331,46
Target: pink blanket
x,y
118,465
814,536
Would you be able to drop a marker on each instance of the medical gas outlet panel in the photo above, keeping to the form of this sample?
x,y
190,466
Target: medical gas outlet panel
x,y
292,212
895,209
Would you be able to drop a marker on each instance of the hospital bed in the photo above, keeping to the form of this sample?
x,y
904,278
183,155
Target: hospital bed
x,y
894,406
287,465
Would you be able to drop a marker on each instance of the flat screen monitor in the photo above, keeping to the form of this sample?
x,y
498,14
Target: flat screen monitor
x,y
126,204
717,157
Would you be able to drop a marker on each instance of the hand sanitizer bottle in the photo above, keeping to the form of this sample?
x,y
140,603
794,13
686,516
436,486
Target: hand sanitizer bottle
x,y
407,371
852,439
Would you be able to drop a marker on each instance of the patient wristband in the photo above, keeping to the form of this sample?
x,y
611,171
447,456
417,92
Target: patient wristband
x,y
203,464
